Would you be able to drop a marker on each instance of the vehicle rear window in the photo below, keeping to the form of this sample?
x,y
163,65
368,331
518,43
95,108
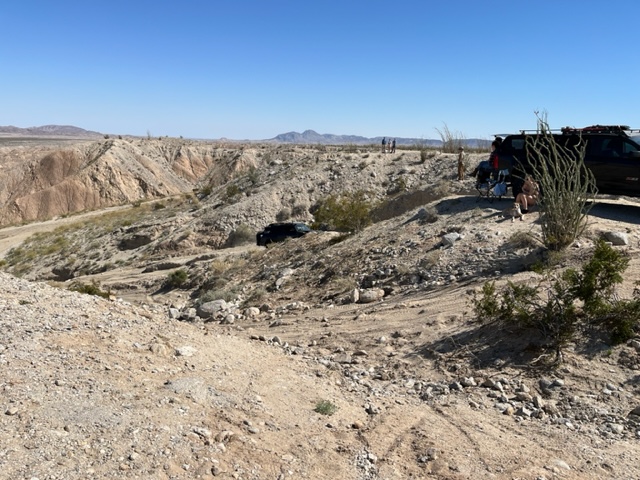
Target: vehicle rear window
x,y
512,145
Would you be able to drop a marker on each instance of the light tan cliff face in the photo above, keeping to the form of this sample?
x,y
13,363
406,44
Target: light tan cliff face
x,y
42,183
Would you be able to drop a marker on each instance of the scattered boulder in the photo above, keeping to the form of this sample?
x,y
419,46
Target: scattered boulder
x,y
209,309
617,238
449,239
370,295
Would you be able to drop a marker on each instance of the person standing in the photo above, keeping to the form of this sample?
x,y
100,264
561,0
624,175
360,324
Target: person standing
x,y
384,144
393,146
461,165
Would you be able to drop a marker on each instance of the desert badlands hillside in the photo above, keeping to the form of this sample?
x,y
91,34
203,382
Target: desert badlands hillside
x,y
319,358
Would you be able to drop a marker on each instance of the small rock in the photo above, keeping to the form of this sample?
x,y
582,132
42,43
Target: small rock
x,y
185,351
449,239
468,382
616,427
509,410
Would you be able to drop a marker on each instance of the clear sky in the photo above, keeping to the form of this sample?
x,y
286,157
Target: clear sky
x,y
251,69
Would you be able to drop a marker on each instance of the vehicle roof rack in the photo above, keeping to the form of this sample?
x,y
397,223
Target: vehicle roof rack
x,y
598,129
617,129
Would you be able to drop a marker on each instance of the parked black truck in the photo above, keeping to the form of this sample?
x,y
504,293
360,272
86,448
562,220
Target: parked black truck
x,y
612,154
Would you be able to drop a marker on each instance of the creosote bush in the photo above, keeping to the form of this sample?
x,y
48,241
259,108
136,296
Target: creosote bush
x,y
350,212
89,289
561,305
177,278
325,407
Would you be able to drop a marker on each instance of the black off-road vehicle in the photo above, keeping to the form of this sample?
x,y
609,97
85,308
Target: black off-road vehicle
x,y
612,154
278,232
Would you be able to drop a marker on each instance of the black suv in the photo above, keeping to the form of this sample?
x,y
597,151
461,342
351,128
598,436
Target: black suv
x,y
278,232
612,154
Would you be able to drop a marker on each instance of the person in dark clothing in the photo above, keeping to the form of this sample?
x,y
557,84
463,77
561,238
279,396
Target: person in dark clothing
x,y
493,156
384,144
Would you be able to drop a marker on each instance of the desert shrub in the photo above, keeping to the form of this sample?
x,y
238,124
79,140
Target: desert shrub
x,y
89,289
299,210
231,191
561,305
218,267
325,407
522,239
256,296
350,212
343,284
205,190
242,235
253,175
430,259
441,189
283,214
451,141
397,185
177,278
566,185
226,294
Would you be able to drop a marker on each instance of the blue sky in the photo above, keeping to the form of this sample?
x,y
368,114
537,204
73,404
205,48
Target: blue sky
x,y
251,69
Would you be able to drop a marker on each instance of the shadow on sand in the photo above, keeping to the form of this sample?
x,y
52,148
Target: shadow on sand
x,y
610,209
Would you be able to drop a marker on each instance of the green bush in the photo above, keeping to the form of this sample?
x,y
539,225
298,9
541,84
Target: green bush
x,y
89,289
177,278
228,295
325,407
561,305
232,190
347,213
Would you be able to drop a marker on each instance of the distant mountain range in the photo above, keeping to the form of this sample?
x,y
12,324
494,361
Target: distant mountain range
x,y
49,131
312,137
307,137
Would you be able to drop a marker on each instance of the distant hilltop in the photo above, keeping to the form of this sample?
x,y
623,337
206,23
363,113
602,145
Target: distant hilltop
x,y
49,131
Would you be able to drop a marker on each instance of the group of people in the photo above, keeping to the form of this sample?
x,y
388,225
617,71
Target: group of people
x,y
526,198
388,146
